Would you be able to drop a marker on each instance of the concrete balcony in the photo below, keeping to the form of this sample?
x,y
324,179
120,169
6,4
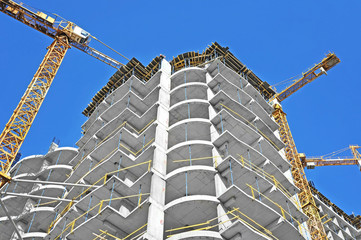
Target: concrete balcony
x,y
137,86
34,163
192,129
134,84
239,229
117,223
113,165
218,67
123,140
223,101
260,213
181,154
131,137
188,75
188,91
339,228
228,144
246,174
195,235
133,120
116,187
247,134
34,235
130,101
219,83
190,210
195,108
189,181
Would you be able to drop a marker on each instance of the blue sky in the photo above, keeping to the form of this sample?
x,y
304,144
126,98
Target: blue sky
x,y
276,39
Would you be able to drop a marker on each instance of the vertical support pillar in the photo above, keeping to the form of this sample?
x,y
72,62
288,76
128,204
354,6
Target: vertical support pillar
x,y
155,227
219,184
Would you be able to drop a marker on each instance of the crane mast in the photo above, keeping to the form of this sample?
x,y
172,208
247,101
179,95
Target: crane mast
x,y
20,122
305,196
66,35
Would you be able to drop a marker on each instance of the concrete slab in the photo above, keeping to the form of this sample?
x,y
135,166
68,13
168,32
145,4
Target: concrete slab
x,y
188,75
187,91
190,210
109,219
244,175
138,87
131,101
195,149
127,115
236,79
262,214
243,230
198,108
237,147
247,134
242,113
192,129
202,234
193,180
220,83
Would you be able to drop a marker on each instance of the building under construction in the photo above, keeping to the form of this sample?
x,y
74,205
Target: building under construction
x,y
182,149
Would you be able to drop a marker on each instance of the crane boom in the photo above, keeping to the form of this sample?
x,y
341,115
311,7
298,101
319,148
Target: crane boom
x,y
53,26
313,162
326,64
66,35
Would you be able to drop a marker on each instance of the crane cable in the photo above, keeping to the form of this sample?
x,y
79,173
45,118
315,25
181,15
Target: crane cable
x,y
291,79
328,155
109,47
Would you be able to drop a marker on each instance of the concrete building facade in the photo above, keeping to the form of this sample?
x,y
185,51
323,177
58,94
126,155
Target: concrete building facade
x,y
192,153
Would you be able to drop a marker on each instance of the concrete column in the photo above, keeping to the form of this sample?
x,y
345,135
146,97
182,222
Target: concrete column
x,y
219,184
155,228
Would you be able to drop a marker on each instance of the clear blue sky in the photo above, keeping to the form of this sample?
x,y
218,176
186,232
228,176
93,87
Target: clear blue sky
x,y
276,39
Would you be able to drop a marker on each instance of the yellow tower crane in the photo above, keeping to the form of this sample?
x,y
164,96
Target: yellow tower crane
x,y
66,35
328,160
305,196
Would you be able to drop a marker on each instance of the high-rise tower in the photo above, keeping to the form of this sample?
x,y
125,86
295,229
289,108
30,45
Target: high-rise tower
x,y
185,149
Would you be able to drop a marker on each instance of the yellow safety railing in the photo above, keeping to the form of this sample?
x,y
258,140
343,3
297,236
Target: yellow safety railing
x,y
137,152
257,225
234,216
105,233
270,177
200,158
104,179
283,212
125,123
98,208
259,131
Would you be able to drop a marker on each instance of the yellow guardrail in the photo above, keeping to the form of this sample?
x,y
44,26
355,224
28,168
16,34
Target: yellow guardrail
x,y
283,212
125,123
236,214
105,233
270,177
200,158
98,207
104,178
259,131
